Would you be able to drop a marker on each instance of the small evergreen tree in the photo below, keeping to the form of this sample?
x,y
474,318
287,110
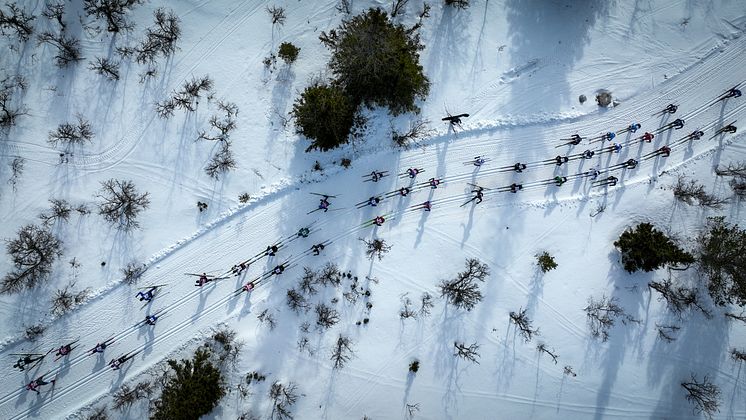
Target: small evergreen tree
x,y
193,390
646,248
545,262
722,259
377,62
324,114
288,52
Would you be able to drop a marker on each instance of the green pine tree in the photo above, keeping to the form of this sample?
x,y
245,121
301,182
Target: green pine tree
x,y
325,115
722,257
645,248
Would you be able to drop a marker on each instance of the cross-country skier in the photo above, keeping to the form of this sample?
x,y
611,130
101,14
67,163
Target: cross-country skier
x,y
730,128
608,136
633,127
271,250
611,180
403,191
115,364
592,173
324,204
317,249
677,124
588,154
664,151
203,279
412,172
238,269
148,295
36,383
630,164
373,201
378,221
375,176
575,139
559,180
427,206
248,286
519,167
648,137
616,147
279,269
479,194
64,350
733,93
696,135
304,232
433,183
150,319
670,109
561,159
26,360
100,347
479,161
514,188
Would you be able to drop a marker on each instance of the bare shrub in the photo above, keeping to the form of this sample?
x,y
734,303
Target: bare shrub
x,y
33,252
105,67
704,395
522,321
296,301
59,211
32,332
741,317
418,129
407,311
55,11
277,15
542,348
283,398
467,352
678,298
268,319
426,304
737,355
121,203
98,413
569,372
398,7
159,39
66,299
112,11
463,291
125,396
737,169
376,248
602,315
308,281
221,162
132,272
329,275
68,48
342,352
72,133
326,316
9,109
15,21
16,170
690,191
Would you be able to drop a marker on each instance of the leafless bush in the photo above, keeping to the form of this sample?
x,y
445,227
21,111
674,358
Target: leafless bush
x,y
296,301
221,162
326,316
406,311
737,169
602,315
267,318
148,74
33,332
72,133
283,398
165,109
690,191
678,298
522,321
426,304
105,67
132,272
277,14
121,203
98,413
55,11
159,39
542,348
112,11
82,209
342,352
463,291
467,352
16,170
412,409
66,299
9,110
68,48
704,395
222,125
568,371
125,396
308,281
737,355
376,248
33,253
417,130
17,22
397,6
665,332
59,211
329,275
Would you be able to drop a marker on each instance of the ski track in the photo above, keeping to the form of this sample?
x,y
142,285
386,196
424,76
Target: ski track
x,y
708,74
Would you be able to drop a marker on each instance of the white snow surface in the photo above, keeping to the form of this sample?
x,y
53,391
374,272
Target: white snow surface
x,y
517,68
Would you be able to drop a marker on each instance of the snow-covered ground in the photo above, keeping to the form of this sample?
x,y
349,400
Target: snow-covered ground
x,y
518,68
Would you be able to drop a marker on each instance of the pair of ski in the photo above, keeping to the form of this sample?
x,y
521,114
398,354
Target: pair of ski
x,y
33,364
156,291
725,95
157,314
570,141
372,222
379,175
628,129
670,109
720,130
608,181
478,188
325,196
123,359
668,127
476,161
